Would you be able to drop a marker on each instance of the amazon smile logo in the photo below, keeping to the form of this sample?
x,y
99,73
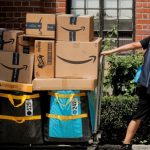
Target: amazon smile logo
x,y
24,67
15,71
75,30
91,58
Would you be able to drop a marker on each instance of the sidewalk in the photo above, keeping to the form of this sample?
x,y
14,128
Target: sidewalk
x,y
116,147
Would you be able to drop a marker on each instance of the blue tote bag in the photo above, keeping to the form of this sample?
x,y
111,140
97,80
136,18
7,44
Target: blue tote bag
x,y
67,119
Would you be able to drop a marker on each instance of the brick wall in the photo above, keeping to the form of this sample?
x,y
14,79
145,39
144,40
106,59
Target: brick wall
x,y
13,12
142,21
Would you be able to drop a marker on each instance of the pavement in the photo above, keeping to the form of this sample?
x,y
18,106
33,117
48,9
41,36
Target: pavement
x,y
64,147
117,147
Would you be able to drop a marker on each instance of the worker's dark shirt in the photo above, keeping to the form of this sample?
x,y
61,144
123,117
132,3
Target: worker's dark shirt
x,y
145,74
145,42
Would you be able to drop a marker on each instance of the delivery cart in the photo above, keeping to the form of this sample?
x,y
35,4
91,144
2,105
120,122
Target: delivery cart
x,y
89,144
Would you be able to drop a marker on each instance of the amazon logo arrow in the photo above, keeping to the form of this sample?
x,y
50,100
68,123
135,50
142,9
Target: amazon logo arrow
x,y
24,67
91,58
10,41
82,28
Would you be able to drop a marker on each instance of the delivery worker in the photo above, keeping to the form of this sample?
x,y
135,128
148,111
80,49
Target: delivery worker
x,y
143,108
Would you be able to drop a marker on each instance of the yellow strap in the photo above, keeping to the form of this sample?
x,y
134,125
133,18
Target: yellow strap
x,y
66,95
21,98
62,104
70,96
20,119
65,118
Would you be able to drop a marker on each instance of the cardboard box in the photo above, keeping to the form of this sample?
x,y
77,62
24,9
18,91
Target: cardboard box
x,y
14,86
64,84
41,24
10,40
44,59
75,28
15,67
77,59
25,44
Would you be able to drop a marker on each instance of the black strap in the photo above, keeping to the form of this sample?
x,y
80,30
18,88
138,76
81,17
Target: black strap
x,y
51,27
26,49
73,20
15,60
33,25
72,36
15,75
1,40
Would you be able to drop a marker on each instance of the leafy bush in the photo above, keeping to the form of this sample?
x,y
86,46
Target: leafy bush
x,y
109,42
121,72
117,110
115,117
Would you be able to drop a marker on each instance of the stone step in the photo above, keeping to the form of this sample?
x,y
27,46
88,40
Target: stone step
x,y
117,147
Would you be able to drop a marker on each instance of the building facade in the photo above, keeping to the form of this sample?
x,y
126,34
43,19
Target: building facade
x,y
131,18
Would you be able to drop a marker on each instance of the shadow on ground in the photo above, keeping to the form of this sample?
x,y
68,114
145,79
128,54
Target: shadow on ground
x,y
109,147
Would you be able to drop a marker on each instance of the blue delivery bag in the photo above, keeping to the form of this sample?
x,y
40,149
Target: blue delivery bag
x,y
68,119
137,75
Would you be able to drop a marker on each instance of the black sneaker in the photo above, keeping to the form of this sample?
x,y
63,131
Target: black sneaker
x,y
126,147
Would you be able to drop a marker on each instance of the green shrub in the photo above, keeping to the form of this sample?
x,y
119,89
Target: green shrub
x,y
117,110
115,117
121,72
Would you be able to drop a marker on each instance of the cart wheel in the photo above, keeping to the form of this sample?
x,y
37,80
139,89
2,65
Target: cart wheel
x,y
98,136
92,147
90,141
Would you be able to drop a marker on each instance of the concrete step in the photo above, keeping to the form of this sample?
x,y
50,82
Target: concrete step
x,y
117,147
141,147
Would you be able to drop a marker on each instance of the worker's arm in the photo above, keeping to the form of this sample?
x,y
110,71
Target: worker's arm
x,y
131,46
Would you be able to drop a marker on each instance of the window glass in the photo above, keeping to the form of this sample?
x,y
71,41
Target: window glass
x,y
77,11
110,3
125,14
110,19
110,14
93,12
77,4
96,24
125,24
92,4
125,3
109,24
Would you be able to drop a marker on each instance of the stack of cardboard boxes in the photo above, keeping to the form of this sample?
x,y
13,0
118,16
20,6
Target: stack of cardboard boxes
x,y
75,56
16,69
57,52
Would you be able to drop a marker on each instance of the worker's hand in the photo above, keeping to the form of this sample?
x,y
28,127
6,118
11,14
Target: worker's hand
x,y
108,52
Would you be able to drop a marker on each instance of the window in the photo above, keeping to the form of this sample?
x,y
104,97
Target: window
x,y
108,13
88,7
